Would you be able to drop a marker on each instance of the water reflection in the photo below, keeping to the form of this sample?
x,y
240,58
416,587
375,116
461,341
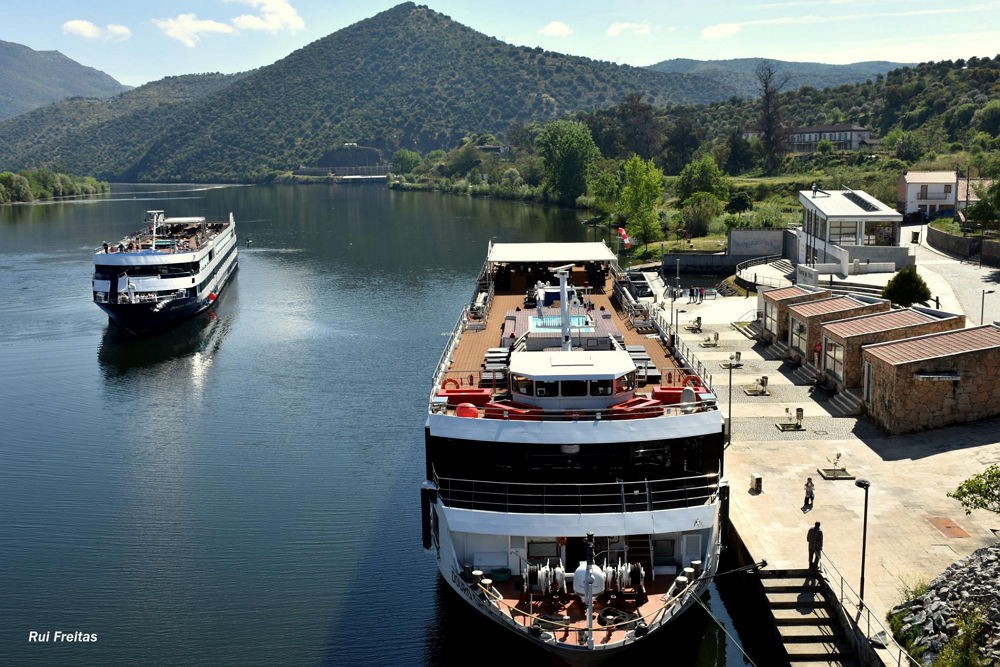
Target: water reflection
x,y
191,344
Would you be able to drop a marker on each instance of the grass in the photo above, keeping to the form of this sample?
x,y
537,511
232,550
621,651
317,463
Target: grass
x,y
947,225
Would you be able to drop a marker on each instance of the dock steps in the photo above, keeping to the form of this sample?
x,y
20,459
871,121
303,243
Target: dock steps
x,y
802,616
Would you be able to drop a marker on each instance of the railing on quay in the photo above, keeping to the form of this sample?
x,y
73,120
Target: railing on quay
x,y
858,616
595,498
758,280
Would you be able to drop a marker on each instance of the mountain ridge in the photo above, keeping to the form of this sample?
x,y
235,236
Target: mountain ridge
x,y
30,79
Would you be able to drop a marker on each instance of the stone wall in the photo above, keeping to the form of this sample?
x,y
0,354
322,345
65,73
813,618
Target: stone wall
x,y
756,242
854,369
782,312
814,328
961,246
900,403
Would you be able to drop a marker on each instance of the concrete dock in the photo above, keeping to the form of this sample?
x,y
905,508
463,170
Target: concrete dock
x,y
914,530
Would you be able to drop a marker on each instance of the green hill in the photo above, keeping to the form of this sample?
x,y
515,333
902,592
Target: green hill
x,y
408,77
30,79
738,73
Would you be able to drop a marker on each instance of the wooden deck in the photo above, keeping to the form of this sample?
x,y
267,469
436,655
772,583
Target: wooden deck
x,y
468,360
565,615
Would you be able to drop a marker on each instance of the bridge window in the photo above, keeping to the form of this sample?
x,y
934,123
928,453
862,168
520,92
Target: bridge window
x,y
547,388
625,383
601,388
574,388
522,385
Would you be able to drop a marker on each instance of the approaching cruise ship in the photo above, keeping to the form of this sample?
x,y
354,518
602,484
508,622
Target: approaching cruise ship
x,y
169,271
574,462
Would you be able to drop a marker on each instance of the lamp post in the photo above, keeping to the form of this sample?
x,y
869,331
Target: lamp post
x,y
863,484
677,325
729,429
982,305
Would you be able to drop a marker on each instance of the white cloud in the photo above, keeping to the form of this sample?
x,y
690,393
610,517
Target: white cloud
x,y
635,28
188,28
556,29
275,16
88,30
720,30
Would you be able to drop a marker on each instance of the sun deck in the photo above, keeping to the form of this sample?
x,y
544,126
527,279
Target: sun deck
x,y
478,371
167,236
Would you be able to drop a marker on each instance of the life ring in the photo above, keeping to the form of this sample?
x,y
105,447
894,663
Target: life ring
x,y
450,382
692,381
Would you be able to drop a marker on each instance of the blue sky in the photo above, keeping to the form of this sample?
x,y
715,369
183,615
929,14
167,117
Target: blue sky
x,y
140,41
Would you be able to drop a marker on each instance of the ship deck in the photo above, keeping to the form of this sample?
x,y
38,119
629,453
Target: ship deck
x,y
185,235
565,615
474,364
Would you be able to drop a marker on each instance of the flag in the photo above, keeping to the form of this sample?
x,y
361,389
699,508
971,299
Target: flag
x,y
627,241
621,233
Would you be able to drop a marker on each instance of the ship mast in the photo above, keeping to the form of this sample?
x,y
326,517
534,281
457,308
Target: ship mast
x,y
563,273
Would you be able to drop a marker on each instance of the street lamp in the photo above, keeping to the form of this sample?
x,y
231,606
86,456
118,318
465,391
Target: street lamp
x,y
863,484
982,305
729,430
677,325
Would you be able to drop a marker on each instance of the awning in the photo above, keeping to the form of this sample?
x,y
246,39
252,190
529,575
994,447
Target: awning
x,y
550,253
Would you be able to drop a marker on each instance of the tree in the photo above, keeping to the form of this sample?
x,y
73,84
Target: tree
x,y
681,143
740,153
569,153
404,161
738,203
641,192
906,288
702,175
988,117
772,135
698,212
824,146
980,492
640,130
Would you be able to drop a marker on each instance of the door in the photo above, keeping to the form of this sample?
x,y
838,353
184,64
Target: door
x,y
867,391
692,548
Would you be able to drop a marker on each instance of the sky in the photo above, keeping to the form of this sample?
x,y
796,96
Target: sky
x,y
141,41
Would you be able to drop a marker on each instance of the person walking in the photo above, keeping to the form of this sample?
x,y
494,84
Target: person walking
x,y
810,494
815,540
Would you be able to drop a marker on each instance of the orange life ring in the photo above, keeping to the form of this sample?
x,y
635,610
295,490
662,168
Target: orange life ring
x,y
692,380
450,382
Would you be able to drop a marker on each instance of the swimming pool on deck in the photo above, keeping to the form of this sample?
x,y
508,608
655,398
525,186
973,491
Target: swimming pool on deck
x,y
553,324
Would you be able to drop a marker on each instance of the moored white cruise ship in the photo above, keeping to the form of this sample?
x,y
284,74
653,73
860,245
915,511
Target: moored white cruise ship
x,y
171,270
574,491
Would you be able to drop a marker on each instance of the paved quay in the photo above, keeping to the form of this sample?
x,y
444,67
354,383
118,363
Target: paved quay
x,y
914,530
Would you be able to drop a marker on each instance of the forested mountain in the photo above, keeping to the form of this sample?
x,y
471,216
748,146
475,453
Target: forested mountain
x,y
30,79
406,78
739,73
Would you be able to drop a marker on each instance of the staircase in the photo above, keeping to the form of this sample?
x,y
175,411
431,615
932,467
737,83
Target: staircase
x,y
777,350
639,551
805,374
847,403
804,619
785,267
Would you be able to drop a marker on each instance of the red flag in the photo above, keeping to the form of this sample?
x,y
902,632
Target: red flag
x,y
628,242
621,233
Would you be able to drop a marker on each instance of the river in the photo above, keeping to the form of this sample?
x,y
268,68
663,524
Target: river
x,y
243,489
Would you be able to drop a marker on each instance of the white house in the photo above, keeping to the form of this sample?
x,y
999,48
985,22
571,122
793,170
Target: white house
x,y
928,192
848,232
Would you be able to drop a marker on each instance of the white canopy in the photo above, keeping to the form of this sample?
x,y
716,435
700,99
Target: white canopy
x,y
572,365
552,253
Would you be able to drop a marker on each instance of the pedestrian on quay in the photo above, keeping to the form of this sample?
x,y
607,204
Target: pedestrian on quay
x,y
815,540
810,488
690,295
701,295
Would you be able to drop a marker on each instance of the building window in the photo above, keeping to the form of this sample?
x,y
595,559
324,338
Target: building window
x,y
833,361
843,233
923,192
797,335
771,317
947,189
879,233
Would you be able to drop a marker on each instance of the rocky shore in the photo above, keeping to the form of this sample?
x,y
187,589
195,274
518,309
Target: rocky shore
x,y
933,618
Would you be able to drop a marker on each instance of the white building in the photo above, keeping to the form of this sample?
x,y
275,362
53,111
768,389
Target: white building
x,y
844,137
849,232
929,192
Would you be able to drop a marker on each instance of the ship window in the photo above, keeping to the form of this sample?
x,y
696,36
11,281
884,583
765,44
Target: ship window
x,y
547,388
574,388
522,385
663,552
543,550
625,383
601,388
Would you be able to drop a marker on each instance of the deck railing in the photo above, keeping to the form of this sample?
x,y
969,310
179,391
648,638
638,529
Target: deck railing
x,y
603,498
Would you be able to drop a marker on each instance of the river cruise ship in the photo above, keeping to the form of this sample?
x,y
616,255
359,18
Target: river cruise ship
x,y
170,270
574,459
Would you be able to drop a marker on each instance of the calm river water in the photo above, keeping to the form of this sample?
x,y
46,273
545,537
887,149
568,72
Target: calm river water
x,y
244,489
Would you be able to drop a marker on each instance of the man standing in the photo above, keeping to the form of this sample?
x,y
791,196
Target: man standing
x,y
815,539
